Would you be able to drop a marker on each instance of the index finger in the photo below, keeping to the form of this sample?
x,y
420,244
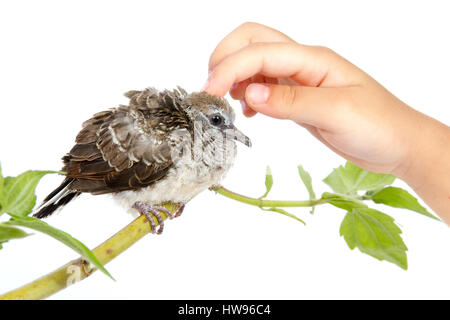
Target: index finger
x,y
242,36
304,64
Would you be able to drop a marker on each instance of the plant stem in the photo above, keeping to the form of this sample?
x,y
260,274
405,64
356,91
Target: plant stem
x,y
80,269
266,203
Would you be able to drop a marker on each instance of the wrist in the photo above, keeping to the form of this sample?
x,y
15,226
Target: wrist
x,y
428,153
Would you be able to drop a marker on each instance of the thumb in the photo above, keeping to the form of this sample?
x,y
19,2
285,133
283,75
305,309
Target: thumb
x,y
311,105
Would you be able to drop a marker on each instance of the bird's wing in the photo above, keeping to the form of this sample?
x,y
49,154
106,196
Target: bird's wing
x,y
117,151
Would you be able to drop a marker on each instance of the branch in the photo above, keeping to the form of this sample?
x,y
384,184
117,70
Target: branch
x,y
80,269
265,203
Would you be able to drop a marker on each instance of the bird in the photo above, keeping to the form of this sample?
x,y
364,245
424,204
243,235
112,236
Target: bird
x,y
162,147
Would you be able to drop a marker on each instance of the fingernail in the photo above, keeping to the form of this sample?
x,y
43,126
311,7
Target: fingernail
x,y
257,93
206,85
243,104
246,110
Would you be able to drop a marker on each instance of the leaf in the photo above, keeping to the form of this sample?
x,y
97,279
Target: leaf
x,y
68,240
307,181
375,234
284,212
351,178
400,198
9,232
342,201
17,197
268,182
306,178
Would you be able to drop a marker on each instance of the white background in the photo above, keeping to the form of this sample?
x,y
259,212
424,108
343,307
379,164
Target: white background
x,y
60,63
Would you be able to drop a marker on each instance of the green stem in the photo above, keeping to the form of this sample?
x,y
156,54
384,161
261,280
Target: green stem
x,y
266,203
80,269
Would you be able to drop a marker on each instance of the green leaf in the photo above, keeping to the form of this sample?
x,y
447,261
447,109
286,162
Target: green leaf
x,y
268,182
400,198
9,232
284,212
342,201
307,181
68,240
17,197
351,178
375,234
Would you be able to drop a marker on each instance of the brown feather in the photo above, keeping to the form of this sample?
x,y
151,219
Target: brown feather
x,y
125,148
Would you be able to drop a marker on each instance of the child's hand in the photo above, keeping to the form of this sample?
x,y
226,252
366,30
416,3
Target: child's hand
x,y
338,103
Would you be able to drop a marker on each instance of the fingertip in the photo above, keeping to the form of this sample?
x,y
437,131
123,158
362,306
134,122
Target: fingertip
x,y
205,86
233,90
243,106
246,110
250,113
257,94
214,87
260,99
237,90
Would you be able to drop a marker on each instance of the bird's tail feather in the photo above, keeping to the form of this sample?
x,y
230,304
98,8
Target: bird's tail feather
x,y
56,199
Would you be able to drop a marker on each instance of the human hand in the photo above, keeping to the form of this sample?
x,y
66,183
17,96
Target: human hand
x,y
334,100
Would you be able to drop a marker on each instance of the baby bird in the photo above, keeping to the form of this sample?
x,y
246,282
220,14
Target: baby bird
x,y
162,147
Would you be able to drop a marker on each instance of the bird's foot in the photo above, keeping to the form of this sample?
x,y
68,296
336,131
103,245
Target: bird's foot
x,y
151,212
179,210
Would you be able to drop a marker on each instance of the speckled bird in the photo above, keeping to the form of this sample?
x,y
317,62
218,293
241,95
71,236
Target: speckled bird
x,y
162,147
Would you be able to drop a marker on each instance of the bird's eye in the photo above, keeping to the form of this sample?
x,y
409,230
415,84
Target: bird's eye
x,y
216,120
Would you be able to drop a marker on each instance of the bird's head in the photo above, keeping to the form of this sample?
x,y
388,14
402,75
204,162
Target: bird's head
x,y
214,114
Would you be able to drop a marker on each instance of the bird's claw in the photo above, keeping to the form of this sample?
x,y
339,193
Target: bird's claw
x,y
179,210
152,211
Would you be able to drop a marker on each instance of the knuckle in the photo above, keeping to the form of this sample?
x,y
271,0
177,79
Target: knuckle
x,y
257,46
288,99
249,25
324,50
290,95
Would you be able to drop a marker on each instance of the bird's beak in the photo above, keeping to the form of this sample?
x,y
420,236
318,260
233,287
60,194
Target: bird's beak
x,y
237,135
